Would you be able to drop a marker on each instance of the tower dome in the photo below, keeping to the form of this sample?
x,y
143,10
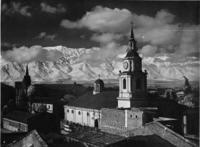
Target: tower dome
x,y
98,86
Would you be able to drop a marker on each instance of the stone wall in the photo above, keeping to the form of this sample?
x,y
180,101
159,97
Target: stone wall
x,y
134,119
118,122
112,118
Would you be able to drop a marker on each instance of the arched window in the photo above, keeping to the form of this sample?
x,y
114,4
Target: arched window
x,y
124,83
138,84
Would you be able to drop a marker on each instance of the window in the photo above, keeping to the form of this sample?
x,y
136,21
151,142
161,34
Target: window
x,y
88,114
68,110
79,112
136,116
124,83
72,111
138,84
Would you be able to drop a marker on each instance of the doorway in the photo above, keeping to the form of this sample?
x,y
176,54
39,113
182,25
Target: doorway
x,y
96,123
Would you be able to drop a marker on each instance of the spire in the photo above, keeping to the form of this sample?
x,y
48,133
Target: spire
x,y
132,48
27,78
132,34
27,72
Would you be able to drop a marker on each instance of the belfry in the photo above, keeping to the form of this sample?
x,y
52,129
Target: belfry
x,y
132,80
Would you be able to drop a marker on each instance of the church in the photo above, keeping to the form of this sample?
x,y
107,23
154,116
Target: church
x,y
112,110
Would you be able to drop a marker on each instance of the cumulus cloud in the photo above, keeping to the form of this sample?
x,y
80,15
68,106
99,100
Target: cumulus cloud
x,y
50,9
189,41
160,32
44,35
148,50
15,8
102,19
34,53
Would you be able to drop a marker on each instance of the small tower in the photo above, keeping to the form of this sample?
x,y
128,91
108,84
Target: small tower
x,y
27,79
132,80
98,86
26,83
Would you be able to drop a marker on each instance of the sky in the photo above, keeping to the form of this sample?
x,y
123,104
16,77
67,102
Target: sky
x,y
160,27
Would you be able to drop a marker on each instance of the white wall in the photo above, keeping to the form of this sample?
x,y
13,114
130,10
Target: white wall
x,y
86,117
124,103
14,125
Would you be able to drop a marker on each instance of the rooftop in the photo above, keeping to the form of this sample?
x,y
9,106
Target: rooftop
x,y
19,116
15,139
96,138
105,99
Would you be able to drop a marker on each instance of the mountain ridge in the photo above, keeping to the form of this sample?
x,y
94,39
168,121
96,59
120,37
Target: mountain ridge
x,y
74,65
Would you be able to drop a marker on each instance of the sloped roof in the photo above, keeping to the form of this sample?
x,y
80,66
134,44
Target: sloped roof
x,y
169,135
105,99
19,116
36,138
131,53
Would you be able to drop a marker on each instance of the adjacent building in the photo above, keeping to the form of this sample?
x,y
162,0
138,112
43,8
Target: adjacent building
x,y
19,121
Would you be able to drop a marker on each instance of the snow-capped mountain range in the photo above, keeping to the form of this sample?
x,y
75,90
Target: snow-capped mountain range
x,y
74,65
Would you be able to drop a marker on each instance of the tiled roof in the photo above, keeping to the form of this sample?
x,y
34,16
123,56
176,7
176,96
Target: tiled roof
x,y
105,99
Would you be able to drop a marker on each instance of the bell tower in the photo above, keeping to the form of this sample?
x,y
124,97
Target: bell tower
x,y
132,80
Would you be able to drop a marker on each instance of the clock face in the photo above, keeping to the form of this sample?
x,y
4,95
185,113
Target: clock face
x,y
125,65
